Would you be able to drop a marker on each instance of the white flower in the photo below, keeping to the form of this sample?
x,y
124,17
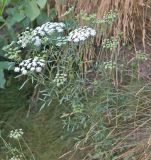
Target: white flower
x,y
32,69
76,40
26,64
50,31
41,64
38,69
93,32
42,60
17,69
36,36
35,59
23,68
34,64
46,29
81,34
62,24
21,64
28,60
82,38
24,72
24,38
37,41
42,33
16,134
23,45
59,29
29,66
16,157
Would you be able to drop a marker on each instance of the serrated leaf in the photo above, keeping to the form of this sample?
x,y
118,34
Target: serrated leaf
x,y
32,10
41,3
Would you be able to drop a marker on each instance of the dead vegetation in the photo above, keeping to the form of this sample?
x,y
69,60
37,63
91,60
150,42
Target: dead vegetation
x,y
133,15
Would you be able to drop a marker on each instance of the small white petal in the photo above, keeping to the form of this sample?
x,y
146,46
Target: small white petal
x,y
42,60
59,29
76,40
26,64
51,31
62,24
37,42
34,64
29,66
21,64
24,72
32,69
93,32
82,38
17,69
38,69
23,68
35,59
41,64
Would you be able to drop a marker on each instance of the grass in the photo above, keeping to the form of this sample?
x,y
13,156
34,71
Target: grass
x,y
43,131
119,124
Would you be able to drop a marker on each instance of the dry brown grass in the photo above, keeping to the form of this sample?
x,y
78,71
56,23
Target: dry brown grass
x,y
133,15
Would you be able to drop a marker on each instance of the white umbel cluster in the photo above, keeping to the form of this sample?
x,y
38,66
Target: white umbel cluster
x,y
17,157
16,134
49,28
81,34
30,65
25,38
35,36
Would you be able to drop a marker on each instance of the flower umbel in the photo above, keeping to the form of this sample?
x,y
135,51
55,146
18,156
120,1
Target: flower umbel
x,y
17,157
16,134
81,34
39,34
30,65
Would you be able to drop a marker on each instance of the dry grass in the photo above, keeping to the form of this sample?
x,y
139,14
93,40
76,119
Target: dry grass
x,y
133,15
133,22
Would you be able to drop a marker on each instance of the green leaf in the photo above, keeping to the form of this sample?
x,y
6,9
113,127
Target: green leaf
x,y
2,19
42,18
2,6
41,3
4,65
32,10
2,79
15,15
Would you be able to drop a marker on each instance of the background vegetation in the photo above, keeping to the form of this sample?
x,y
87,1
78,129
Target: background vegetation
x,y
108,115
